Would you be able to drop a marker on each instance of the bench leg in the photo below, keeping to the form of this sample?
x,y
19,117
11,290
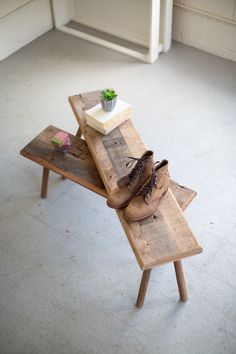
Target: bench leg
x,y
180,281
143,288
44,187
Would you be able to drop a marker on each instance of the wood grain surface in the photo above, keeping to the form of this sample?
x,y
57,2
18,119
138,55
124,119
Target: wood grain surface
x,y
161,238
76,165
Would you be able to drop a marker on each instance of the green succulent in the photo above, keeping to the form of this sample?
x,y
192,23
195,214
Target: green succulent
x,y
108,94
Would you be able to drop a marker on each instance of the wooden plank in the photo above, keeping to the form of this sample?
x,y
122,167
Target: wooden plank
x,y
41,151
182,194
163,237
78,103
77,165
99,144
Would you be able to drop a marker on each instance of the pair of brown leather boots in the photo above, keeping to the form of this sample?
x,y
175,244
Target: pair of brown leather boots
x,y
141,190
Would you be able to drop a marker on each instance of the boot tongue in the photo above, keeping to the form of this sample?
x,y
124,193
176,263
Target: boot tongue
x,y
135,174
133,178
160,164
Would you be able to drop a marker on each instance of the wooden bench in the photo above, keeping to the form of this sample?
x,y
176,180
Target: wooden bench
x,y
165,236
77,165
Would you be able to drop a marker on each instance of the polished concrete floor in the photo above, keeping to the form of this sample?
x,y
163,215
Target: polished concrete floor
x,y
68,277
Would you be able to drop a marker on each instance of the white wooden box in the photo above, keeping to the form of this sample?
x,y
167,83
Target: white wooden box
x,y
105,122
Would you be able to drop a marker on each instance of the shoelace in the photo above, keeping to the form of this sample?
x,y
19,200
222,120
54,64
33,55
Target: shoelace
x,y
148,187
138,167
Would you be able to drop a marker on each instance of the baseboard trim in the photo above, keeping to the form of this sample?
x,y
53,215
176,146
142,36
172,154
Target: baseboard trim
x,y
205,13
111,30
204,46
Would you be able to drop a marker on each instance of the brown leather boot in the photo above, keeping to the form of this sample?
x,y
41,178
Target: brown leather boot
x,y
130,184
124,181
148,198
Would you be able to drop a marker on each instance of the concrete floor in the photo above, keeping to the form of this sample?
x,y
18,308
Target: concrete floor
x,y
68,277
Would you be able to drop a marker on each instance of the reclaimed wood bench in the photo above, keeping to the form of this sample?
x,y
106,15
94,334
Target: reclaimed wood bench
x,y
165,236
78,166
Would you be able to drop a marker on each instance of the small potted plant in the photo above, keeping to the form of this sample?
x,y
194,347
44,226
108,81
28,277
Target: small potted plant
x,y
108,99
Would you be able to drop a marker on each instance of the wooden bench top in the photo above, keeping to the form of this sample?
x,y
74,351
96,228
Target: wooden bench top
x,y
77,165
161,238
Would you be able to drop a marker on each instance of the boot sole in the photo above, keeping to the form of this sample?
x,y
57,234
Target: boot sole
x,y
139,218
117,206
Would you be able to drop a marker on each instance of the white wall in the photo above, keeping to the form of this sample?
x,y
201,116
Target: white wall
x,y
125,19
209,25
22,21
8,6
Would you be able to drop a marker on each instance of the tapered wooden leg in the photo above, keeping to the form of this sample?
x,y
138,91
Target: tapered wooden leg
x,y
143,288
79,133
180,281
44,188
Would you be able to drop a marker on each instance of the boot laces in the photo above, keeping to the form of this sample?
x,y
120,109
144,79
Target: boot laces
x,y
136,171
148,187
